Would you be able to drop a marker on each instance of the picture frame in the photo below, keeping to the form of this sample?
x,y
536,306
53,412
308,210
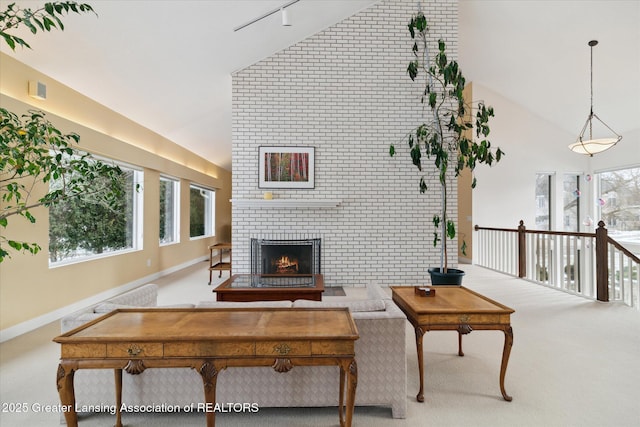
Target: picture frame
x,y
286,167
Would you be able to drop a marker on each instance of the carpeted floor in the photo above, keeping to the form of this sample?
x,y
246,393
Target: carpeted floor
x,y
574,363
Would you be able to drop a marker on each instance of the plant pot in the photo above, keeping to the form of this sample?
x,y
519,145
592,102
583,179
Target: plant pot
x,y
453,276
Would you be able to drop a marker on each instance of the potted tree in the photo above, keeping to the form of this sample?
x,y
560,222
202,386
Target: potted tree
x,y
444,136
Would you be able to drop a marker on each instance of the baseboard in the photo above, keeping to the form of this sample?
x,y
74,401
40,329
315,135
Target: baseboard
x,y
52,316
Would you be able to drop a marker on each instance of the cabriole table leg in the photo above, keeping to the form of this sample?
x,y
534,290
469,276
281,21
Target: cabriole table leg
x,y
64,382
506,352
209,374
349,367
419,335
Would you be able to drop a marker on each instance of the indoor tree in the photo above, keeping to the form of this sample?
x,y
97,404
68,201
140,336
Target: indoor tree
x,y
33,151
442,137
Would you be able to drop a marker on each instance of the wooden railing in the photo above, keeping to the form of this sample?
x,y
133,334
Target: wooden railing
x,y
592,265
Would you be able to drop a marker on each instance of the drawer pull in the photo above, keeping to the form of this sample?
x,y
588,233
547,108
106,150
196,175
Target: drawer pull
x,y
134,350
282,349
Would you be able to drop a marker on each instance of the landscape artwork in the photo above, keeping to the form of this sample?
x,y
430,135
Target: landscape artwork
x,y
286,167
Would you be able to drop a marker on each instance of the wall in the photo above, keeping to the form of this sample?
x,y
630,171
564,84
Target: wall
x,y
465,197
505,193
345,92
32,293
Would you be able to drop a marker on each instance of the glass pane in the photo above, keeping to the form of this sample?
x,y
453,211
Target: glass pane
x,y
84,226
202,212
619,204
168,211
543,201
571,202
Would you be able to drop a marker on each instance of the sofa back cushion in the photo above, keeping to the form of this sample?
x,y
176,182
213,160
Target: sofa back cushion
x,y
108,307
143,296
249,304
354,305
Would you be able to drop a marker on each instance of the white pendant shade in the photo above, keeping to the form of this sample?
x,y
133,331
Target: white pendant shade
x,y
603,139
593,146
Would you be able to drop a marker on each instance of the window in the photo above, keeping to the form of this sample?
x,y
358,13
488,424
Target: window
x,y
169,210
84,227
571,202
618,201
202,205
543,201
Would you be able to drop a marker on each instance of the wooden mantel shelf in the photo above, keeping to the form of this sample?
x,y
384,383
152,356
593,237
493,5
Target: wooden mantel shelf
x,y
286,203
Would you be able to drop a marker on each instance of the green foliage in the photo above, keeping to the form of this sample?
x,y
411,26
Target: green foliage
x,y
441,138
197,208
45,18
34,152
88,223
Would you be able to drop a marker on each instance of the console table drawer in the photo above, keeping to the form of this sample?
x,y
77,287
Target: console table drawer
x,y
333,347
134,350
457,319
208,349
283,348
71,351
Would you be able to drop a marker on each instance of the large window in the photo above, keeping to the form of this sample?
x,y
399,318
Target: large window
x,y
169,210
618,200
202,208
572,195
85,226
544,183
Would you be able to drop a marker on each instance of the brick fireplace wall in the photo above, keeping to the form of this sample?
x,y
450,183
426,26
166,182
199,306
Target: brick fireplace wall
x,y
344,91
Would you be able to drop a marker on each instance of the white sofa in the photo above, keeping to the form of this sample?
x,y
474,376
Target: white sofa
x,y
380,354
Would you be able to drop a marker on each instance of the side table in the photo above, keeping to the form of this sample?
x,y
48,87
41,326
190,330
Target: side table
x,y
218,264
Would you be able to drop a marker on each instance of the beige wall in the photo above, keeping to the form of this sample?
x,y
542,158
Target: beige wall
x,y
465,198
29,288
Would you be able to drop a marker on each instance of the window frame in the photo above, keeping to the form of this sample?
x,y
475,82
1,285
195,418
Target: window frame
x,y
137,218
175,182
209,212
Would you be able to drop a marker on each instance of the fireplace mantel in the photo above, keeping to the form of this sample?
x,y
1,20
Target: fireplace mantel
x,y
286,203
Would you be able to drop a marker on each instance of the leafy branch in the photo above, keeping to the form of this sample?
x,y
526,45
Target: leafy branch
x,y
33,152
442,137
46,18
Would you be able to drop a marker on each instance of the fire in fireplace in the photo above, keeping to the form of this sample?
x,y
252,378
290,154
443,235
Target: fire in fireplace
x,y
280,257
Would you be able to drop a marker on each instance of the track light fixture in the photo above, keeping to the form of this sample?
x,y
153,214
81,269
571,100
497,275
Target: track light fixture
x,y
282,9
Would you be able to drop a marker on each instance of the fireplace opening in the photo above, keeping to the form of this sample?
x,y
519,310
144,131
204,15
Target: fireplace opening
x,y
285,257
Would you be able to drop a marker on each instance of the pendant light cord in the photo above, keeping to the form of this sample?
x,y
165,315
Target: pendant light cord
x,y
592,43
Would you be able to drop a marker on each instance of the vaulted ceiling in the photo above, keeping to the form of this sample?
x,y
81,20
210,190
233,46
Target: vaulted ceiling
x,y
167,64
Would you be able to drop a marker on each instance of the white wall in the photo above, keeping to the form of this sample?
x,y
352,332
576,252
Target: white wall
x,y
505,193
345,92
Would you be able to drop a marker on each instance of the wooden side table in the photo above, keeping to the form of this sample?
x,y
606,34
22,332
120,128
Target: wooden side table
x,y
454,308
218,264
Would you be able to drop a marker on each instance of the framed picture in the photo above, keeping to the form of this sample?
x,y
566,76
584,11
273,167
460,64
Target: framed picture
x,y
287,167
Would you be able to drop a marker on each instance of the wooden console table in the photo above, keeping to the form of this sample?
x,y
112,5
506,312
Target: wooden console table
x,y
219,265
454,308
210,340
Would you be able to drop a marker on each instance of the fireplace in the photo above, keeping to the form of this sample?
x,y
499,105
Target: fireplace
x,y
285,257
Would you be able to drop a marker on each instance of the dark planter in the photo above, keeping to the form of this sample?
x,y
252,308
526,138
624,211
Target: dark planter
x,y
453,276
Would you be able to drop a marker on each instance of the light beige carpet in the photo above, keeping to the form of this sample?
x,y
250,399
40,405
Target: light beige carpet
x,y
574,363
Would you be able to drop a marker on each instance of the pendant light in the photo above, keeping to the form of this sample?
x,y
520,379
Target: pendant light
x,y
589,145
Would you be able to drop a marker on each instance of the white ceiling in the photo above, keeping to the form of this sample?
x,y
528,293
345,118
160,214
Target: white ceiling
x,y
167,64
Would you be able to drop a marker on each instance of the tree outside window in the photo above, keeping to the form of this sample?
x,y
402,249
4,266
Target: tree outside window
x,y
618,200
169,212
571,198
86,226
202,212
543,201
